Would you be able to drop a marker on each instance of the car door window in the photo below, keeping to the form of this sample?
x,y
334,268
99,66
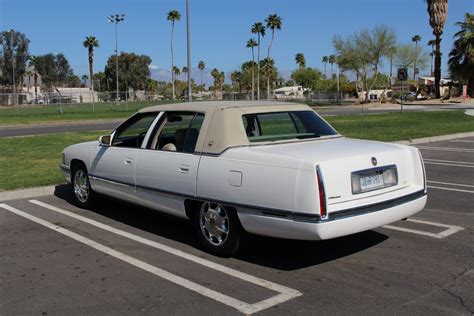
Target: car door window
x,y
132,132
178,132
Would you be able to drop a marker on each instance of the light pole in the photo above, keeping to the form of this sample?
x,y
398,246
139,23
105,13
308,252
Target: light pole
x,y
15,99
116,19
190,88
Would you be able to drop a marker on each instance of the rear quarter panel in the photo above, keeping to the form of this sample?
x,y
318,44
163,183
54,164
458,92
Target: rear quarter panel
x,y
241,177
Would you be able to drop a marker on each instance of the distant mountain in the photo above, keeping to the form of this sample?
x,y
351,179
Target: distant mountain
x,y
161,74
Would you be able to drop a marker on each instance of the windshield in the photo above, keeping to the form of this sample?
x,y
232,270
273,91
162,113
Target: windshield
x,y
275,126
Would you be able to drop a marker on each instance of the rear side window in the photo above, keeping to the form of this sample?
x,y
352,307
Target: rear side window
x,y
285,125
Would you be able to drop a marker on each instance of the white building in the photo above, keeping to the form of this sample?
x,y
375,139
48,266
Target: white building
x,y
293,92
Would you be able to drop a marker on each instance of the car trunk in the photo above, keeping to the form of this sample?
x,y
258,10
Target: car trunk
x,y
341,159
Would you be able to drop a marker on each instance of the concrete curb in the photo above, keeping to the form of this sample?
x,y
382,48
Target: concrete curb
x,y
27,193
434,138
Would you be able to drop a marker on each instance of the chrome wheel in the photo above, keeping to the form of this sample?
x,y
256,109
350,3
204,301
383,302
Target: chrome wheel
x,y
81,186
214,223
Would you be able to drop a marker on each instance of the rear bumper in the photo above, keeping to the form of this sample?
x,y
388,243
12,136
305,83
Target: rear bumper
x,y
340,224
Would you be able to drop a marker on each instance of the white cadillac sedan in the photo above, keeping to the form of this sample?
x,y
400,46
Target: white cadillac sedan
x,y
273,169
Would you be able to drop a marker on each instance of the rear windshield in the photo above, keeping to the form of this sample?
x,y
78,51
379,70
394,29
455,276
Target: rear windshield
x,y
275,126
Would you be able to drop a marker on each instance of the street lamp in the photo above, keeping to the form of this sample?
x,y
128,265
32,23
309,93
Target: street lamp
x,y
116,19
190,88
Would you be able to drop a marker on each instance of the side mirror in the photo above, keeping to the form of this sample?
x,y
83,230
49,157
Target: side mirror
x,y
104,140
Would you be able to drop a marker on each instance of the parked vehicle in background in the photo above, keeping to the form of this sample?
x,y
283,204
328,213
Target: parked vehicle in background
x,y
273,169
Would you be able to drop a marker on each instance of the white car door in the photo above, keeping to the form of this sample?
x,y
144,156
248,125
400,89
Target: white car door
x,y
113,167
166,171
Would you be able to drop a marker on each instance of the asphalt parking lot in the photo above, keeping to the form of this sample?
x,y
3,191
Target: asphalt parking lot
x,y
123,259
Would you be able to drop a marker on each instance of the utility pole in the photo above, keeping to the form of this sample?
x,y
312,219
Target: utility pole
x,y
188,35
116,19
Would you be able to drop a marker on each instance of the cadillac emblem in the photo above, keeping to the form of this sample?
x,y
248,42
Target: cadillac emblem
x,y
374,161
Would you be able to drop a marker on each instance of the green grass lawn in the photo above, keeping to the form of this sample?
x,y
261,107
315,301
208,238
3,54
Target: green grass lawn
x,y
72,112
34,160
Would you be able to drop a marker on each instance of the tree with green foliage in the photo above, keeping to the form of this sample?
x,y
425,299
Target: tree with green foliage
x,y
273,22
134,71
201,67
306,77
437,11
415,39
259,29
432,44
173,16
90,43
74,81
251,43
407,56
14,55
300,60
54,69
461,57
362,52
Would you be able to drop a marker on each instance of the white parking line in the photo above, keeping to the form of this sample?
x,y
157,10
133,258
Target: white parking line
x,y
451,229
453,149
448,164
285,292
450,189
449,161
453,184
461,141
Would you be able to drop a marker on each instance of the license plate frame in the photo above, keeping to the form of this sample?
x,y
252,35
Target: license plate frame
x,y
373,179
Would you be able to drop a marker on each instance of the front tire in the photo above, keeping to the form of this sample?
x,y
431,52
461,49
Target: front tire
x,y
218,228
81,188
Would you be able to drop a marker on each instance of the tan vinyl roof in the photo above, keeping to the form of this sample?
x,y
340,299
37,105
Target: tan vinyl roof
x,y
223,120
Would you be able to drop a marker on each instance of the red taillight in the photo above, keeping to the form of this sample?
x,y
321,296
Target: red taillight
x,y
322,194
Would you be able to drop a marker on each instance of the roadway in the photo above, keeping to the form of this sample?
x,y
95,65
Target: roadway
x,y
82,126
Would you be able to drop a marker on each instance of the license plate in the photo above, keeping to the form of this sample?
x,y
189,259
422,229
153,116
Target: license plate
x,y
374,179
371,182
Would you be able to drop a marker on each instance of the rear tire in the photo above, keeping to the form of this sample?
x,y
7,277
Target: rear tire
x,y
218,228
81,188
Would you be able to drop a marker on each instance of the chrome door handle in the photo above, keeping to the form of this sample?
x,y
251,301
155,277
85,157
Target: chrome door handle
x,y
128,161
183,169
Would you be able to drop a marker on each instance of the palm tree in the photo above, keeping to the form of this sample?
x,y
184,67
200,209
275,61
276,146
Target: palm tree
x,y
236,77
173,16
415,39
392,51
218,80
259,29
251,43
176,72
201,66
461,57
90,43
32,62
300,60
332,61
437,10
432,43
274,23
325,60
184,71
84,79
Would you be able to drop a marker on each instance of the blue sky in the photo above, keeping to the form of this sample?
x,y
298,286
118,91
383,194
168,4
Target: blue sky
x,y
220,28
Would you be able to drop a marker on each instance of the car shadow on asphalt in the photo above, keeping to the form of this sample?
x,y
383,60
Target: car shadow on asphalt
x,y
275,253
